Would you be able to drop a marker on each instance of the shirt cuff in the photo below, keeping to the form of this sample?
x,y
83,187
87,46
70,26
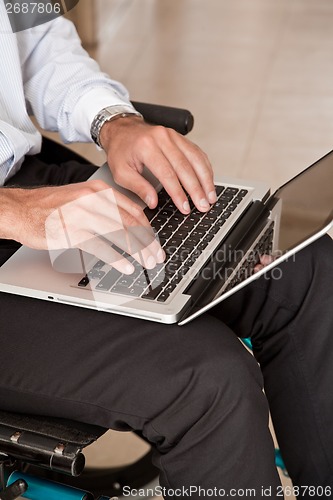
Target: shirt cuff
x,y
15,140
16,147
89,105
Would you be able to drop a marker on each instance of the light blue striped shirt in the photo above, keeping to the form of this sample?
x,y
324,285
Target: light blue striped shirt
x,y
45,72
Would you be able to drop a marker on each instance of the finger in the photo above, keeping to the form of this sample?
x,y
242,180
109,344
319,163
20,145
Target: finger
x,y
175,171
105,252
144,247
258,268
151,155
265,259
201,166
121,221
132,179
147,254
129,232
113,203
188,179
141,241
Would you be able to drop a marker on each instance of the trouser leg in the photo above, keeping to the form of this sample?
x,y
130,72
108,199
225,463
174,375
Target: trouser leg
x,y
194,392
290,320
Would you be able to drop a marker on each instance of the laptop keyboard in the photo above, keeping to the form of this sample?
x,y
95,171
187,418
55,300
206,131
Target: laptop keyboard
x,y
183,238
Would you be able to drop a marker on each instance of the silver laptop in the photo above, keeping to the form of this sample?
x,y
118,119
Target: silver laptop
x,y
210,256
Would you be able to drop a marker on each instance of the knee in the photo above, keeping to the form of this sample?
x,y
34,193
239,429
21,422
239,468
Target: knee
x,y
226,369
219,370
219,380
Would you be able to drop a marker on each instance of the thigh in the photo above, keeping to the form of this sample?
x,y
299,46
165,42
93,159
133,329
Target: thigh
x,y
194,391
108,369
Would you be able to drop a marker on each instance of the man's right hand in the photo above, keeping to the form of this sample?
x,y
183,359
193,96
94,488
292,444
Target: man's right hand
x,y
89,216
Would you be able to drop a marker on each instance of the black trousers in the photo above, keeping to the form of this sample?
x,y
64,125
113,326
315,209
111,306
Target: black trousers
x,y
194,391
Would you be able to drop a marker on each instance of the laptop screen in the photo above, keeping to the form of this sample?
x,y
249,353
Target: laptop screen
x,y
306,204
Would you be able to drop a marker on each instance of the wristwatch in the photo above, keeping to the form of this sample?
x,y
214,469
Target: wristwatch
x,y
107,115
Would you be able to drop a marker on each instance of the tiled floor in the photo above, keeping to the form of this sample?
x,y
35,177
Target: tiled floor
x,y
258,77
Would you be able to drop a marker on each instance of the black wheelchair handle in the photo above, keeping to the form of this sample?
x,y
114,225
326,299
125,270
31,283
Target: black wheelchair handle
x,y
179,119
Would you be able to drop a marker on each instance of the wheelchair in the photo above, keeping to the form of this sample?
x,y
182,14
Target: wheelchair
x,y
41,458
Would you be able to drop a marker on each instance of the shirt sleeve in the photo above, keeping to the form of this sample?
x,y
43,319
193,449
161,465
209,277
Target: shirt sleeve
x,y
63,86
10,155
6,157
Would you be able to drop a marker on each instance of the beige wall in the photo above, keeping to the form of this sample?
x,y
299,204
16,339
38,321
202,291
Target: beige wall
x,y
83,15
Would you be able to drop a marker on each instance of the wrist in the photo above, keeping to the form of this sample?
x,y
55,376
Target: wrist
x,y
108,115
112,129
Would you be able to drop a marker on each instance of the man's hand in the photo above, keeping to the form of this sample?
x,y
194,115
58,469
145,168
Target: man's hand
x,y
264,261
179,165
90,216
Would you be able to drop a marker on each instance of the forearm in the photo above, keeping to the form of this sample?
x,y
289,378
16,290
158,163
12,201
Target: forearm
x,y
12,206
74,216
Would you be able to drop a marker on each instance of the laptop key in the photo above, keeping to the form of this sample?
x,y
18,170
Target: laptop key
x,y
231,190
237,200
84,282
164,234
181,234
166,292
152,293
219,190
109,280
187,227
135,291
158,221
220,221
178,218
126,280
197,215
174,243
204,225
95,274
203,244
150,213
198,234
163,297
99,264
171,226
208,238
172,267
232,206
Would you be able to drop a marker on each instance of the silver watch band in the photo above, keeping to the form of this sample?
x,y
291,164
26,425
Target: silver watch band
x,y
108,114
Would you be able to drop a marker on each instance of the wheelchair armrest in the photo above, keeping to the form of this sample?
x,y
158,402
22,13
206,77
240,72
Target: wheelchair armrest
x,y
46,442
179,119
